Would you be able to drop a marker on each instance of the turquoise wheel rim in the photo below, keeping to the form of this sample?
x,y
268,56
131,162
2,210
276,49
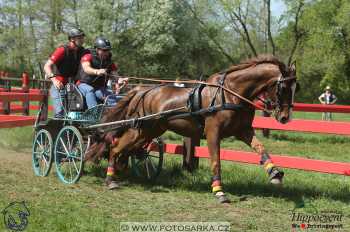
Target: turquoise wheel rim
x,y
42,153
149,165
69,155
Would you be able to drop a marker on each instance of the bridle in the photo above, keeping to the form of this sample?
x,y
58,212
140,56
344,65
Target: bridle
x,y
278,104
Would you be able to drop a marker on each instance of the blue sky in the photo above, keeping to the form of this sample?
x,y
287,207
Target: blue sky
x,y
277,7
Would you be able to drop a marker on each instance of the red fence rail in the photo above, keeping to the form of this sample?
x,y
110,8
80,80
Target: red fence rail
x,y
299,125
304,107
280,160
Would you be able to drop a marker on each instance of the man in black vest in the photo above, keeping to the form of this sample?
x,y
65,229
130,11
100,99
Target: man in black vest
x,y
62,65
94,73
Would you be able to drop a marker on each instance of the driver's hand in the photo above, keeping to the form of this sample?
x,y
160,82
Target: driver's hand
x,y
101,72
58,84
123,81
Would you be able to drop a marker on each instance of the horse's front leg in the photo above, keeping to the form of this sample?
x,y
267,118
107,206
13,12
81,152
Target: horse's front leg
x,y
214,151
111,171
249,137
127,140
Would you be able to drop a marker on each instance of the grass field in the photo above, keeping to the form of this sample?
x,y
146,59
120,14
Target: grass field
x,y
178,195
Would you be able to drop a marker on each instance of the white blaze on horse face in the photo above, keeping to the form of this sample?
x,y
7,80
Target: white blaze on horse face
x,y
293,89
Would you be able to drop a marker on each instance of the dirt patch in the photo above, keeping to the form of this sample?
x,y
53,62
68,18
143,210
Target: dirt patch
x,y
20,160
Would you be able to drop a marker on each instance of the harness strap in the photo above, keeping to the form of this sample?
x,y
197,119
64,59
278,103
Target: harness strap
x,y
212,109
221,84
197,82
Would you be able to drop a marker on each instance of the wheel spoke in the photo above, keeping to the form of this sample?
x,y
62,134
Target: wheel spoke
x,y
68,141
154,156
41,140
147,169
64,146
75,166
70,170
152,165
37,142
64,170
72,142
47,163
46,143
60,152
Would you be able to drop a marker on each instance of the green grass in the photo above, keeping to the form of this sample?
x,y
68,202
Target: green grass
x,y
175,196
178,195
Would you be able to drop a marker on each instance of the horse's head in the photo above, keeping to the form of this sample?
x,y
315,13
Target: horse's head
x,y
282,95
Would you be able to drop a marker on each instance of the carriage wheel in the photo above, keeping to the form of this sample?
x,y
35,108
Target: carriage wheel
x,y
42,153
69,154
149,163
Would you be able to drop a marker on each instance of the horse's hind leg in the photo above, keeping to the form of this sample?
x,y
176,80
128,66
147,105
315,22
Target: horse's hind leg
x,y
125,142
213,140
275,175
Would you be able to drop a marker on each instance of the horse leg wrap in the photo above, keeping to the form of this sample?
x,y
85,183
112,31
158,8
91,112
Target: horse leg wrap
x,y
110,171
216,186
110,174
268,166
217,190
273,171
220,195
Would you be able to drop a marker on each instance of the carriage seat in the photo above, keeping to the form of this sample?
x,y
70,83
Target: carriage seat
x,y
75,99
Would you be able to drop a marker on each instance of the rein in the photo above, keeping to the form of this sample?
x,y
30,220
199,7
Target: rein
x,y
198,82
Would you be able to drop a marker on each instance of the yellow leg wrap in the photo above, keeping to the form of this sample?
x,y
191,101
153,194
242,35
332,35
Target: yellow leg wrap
x,y
268,166
109,173
217,188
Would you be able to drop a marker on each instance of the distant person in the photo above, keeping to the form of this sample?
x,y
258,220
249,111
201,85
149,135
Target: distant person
x,y
62,65
327,98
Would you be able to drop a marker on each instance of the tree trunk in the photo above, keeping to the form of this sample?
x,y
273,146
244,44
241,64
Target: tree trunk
x,y
297,33
268,8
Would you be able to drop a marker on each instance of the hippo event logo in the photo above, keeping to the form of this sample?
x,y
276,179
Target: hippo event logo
x,y
15,216
327,220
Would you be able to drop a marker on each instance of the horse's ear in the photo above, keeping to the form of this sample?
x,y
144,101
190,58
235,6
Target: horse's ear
x,y
293,67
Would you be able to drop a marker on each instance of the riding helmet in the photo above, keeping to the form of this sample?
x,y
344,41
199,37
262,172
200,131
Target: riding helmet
x,y
75,32
103,43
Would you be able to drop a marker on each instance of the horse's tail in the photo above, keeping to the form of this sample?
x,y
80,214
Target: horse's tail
x,y
103,140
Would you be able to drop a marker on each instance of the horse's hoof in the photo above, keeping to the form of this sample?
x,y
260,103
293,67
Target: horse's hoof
x,y
276,181
113,185
276,177
222,197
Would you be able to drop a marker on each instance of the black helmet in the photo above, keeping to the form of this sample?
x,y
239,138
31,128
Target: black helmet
x,y
102,43
75,32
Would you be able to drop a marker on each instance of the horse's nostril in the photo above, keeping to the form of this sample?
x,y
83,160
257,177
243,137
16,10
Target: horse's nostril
x,y
284,120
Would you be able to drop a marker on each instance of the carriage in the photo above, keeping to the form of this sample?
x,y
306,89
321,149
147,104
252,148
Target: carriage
x,y
64,141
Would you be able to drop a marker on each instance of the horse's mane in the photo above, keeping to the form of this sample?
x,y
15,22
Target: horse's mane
x,y
261,59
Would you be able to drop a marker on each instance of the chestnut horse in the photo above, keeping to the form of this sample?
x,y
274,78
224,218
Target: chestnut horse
x,y
262,75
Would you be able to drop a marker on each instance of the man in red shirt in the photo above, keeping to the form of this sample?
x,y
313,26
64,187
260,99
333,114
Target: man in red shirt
x,y
62,65
93,74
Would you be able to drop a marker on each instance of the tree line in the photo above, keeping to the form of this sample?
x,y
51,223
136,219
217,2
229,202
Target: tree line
x,y
187,38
